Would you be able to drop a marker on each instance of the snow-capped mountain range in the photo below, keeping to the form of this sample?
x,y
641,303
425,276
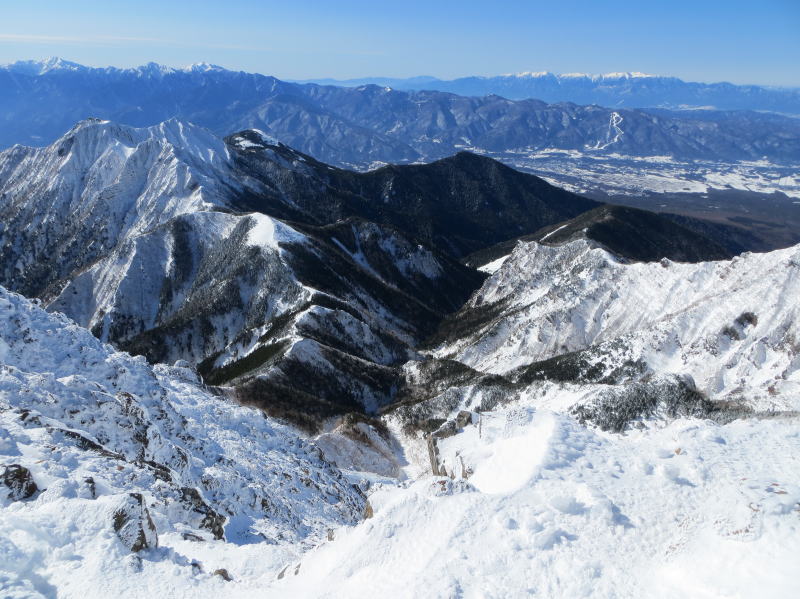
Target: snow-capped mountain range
x,y
145,237
302,287
359,126
630,89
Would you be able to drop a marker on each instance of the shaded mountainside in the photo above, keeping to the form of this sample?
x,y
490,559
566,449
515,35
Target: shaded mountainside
x,y
135,234
457,204
631,233
369,124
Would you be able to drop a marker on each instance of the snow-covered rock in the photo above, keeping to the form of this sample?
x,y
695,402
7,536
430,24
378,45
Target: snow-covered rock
x,y
121,456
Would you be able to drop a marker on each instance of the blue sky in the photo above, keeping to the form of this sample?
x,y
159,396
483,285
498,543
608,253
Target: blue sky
x,y
755,41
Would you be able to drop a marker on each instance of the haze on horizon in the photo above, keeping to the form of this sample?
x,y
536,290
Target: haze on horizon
x,y
736,41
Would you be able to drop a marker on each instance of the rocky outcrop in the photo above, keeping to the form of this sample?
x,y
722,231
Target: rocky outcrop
x,y
132,523
202,515
18,481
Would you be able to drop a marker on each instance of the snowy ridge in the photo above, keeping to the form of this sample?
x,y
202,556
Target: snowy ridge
x,y
730,325
149,238
121,229
590,77
130,179
93,426
55,64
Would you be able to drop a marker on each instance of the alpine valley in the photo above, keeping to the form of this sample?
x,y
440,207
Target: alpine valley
x,y
235,361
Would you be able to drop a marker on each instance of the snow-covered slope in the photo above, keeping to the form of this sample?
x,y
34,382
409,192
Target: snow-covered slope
x,y
732,326
66,205
551,509
124,456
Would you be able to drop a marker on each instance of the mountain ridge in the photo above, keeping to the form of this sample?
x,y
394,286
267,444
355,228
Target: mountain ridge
x,y
366,126
302,286
629,89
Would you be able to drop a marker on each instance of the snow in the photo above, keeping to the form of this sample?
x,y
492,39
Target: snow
x,y
729,325
541,74
617,173
268,233
494,265
510,462
613,134
556,230
688,509
73,411
264,140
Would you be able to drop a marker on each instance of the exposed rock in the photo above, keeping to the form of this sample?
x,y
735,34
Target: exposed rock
x,y
209,519
91,487
133,524
19,481
463,418
223,574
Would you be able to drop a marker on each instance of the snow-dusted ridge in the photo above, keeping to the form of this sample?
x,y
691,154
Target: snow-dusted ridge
x,y
55,64
588,76
732,326
152,239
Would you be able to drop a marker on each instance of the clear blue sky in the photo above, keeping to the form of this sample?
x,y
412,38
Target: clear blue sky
x,y
753,41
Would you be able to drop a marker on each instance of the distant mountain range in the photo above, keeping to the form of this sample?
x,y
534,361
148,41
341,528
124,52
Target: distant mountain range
x,y
630,90
363,126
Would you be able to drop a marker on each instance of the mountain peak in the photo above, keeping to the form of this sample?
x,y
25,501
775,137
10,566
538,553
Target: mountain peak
x,y
203,67
41,67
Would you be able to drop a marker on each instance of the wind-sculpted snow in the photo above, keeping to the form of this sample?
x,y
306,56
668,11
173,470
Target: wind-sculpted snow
x,y
732,326
95,427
